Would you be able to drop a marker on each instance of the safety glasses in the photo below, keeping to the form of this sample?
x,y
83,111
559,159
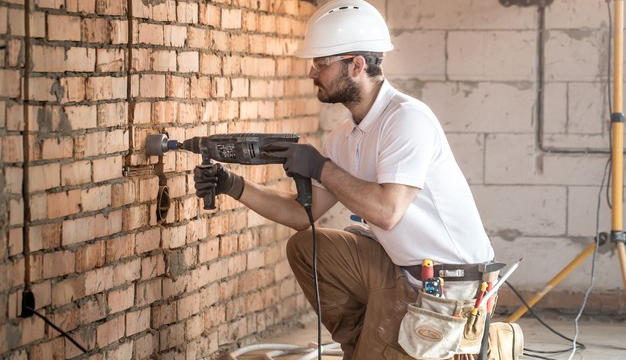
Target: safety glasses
x,y
320,64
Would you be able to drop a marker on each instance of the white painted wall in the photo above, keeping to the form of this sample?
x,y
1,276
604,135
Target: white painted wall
x,y
476,64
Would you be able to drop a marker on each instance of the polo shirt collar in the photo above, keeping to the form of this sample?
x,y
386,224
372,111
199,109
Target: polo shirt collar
x,y
382,100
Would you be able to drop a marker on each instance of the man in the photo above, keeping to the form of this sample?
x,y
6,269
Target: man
x,y
391,165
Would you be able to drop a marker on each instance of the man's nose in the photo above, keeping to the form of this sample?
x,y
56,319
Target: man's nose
x,y
313,74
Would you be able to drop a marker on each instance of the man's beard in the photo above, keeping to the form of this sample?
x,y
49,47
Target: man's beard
x,y
342,90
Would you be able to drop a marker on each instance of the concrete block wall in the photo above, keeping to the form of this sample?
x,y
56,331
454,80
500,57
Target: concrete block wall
x,y
479,66
82,83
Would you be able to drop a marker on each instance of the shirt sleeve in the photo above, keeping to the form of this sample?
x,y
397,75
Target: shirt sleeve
x,y
407,146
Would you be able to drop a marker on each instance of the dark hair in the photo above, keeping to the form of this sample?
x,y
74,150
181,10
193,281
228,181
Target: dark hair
x,y
373,60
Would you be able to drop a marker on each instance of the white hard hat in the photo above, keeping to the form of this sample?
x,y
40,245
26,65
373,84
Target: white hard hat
x,y
343,26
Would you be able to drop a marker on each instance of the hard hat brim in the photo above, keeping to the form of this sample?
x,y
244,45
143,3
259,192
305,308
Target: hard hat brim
x,y
372,46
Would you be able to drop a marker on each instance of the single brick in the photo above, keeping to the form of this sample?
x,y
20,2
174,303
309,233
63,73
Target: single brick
x,y
163,315
188,61
112,114
38,24
78,230
111,60
15,241
120,248
200,87
174,35
12,149
197,38
105,88
111,7
58,263
52,4
177,86
119,31
210,64
96,198
98,280
64,203
16,22
48,58
63,28
145,346
73,89
76,173
122,299
107,168
126,272
173,237
43,294
172,336
162,60
148,292
210,15
152,267
137,321
9,83
80,117
151,34
135,217
187,12
188,306
231,18
68,290
123,351
13,178
90,256
123,194
96,30
152,85
147,241
57,148
111,331
45,237
3,20
44,177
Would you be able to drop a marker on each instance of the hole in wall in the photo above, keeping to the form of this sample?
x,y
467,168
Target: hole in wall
x,y
163,204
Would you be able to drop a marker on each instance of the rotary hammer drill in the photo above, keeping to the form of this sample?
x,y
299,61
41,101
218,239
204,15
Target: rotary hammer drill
x,y
243,148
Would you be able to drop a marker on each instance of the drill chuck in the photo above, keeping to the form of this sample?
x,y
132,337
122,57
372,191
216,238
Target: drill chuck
x,y
159,144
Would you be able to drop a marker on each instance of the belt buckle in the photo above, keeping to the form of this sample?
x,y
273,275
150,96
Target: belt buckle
x,y
458,273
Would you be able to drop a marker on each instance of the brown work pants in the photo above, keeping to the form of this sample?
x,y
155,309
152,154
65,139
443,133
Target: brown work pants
x,y
364,295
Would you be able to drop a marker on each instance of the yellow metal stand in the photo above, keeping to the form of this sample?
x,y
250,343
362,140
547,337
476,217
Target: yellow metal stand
x,y
617,167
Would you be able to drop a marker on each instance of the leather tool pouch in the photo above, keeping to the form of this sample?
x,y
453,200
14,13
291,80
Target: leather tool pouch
x,y
439,328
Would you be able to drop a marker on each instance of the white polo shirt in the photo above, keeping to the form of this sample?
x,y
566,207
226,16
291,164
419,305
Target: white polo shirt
x,y
400,141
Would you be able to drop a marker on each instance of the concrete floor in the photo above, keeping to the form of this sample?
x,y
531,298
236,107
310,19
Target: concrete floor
x,y
605,340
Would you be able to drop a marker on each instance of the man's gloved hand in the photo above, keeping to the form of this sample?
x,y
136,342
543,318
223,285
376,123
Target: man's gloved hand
x,y
217,177
301,159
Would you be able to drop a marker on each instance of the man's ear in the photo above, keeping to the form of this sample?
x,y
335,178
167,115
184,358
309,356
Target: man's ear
x,y
359,66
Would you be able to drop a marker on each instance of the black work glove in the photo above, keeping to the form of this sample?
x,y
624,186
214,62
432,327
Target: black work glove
x,y
217,177
301,159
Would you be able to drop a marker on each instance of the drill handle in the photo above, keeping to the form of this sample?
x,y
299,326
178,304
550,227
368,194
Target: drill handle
x,y
209,199
304,188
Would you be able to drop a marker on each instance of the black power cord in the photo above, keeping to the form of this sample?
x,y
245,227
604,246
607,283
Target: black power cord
x,y
309,213
579,345
29,309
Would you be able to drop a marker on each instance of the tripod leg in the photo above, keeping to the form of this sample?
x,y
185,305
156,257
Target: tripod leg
x,y
621,251
557,279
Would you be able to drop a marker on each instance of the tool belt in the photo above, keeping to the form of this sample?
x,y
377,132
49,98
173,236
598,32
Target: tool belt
x,y
440,327
449,272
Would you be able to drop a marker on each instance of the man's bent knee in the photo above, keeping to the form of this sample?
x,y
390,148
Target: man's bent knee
x,y
297,242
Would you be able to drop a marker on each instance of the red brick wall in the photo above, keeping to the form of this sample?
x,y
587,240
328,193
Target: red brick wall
x,y
97,260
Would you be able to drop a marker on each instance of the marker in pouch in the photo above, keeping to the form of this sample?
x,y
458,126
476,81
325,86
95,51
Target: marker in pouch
x,y
357,218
